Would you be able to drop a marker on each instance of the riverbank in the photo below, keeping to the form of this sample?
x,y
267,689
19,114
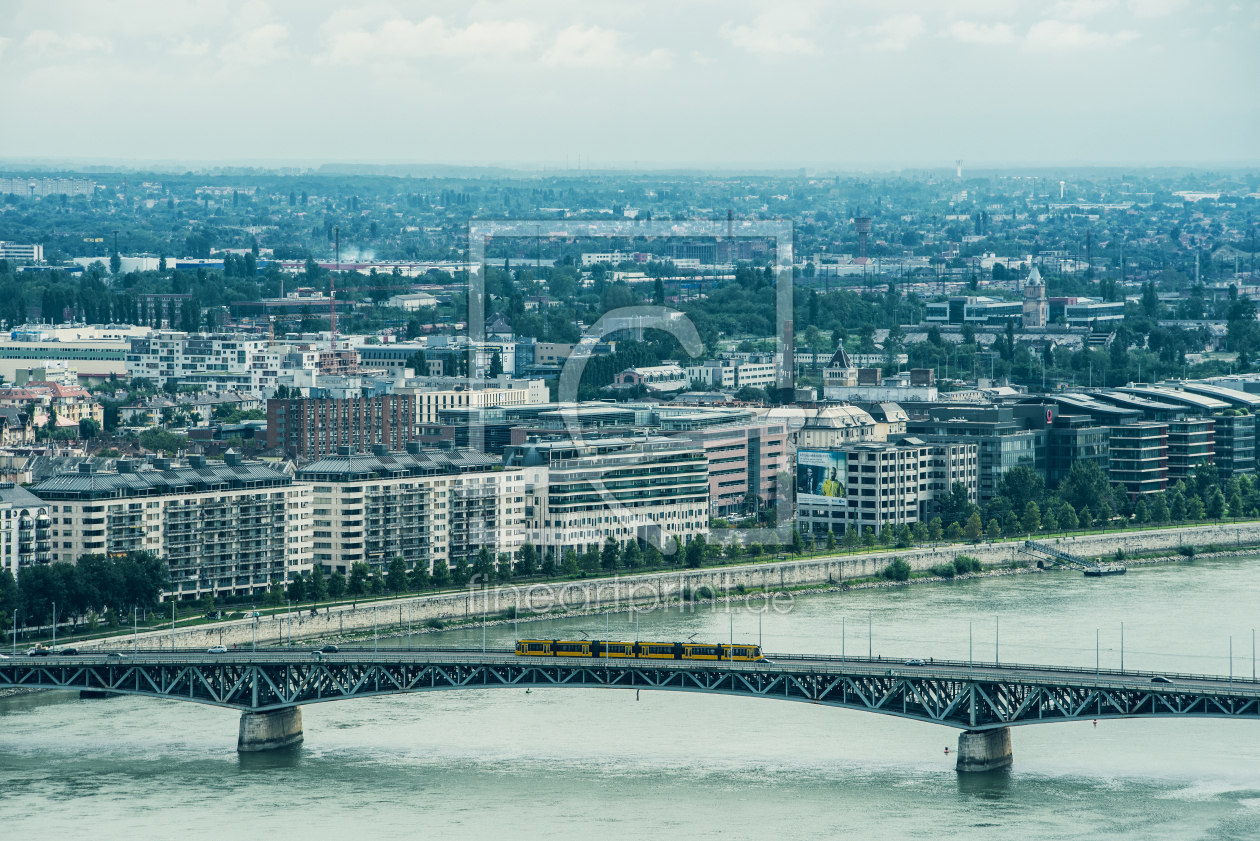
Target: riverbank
x,y
757,600
646,589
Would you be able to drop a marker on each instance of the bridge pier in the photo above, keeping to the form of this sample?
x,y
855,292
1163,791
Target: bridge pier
x,y
270,730
984,750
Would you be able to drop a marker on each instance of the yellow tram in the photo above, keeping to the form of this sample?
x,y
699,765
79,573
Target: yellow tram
x,y
638,650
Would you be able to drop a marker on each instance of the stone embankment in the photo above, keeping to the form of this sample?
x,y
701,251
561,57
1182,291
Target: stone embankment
x,y
659,588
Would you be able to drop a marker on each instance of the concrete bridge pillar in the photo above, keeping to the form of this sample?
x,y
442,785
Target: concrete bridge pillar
x,y
983,750
270,730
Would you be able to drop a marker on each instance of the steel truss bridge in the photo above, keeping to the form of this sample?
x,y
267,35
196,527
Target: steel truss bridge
x,y
973,697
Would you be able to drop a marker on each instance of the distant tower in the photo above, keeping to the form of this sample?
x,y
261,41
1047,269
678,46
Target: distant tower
x,y
959,162
1036,307
1061,183
863,227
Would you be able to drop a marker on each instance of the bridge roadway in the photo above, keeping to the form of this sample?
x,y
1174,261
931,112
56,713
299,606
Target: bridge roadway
x,y
983,699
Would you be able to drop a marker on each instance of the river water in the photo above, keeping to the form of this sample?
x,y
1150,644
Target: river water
x,y
582,763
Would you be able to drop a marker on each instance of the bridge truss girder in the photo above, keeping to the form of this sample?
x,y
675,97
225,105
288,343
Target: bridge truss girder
x,y
954,701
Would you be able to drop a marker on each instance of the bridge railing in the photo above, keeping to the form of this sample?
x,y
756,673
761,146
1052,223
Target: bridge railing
x,y
833,663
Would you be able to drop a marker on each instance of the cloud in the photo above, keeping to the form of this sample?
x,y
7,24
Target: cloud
x,y
399,38
762,40
46,41
189,48
595,47
1154,8
892,35
1081,9
1056,36
980,33
257,46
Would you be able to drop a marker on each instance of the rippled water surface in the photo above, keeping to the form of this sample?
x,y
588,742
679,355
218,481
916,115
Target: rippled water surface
x,y
587,763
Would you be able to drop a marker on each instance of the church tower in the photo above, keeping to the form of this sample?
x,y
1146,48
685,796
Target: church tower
x,y
1036,307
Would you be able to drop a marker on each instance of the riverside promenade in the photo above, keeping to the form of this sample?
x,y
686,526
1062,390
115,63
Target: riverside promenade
x,y
759,581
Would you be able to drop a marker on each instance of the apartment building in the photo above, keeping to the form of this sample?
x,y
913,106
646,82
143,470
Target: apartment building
x,y
436,394
226,529
881,484
308,428
744,464
579,494
1005,436
26,527
422,505
734,374
229,361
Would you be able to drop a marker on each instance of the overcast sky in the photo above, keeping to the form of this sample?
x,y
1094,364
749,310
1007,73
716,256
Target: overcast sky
x,y
678,82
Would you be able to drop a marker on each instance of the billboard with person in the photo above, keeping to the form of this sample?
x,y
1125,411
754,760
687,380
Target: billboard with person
x,y
821,473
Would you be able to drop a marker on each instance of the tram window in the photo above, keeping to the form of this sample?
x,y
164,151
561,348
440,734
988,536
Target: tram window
x,y
537,646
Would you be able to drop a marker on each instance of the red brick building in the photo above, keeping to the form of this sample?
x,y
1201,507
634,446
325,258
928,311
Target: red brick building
x,y
310,427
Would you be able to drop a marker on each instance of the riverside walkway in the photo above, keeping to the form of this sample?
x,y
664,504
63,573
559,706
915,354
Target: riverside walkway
x,y
983,699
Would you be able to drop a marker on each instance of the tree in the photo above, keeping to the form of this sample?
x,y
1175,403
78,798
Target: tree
x,y
850,540
441,574
115,263
868,536
569,564
994,530
1216,504
396,576
1235,505
1086,518
317,585
695,552
610,558
1021,485
1159,509
496,366
548,566
1031,520
297,588
957,506
1011,523
898,570
935,529
1194,508
461,572
954,532
973,529
920,532
359,573
1050,522
831,541
336,585
1067,517
1085,486
527,563
420,578
631,557
798,543
89,428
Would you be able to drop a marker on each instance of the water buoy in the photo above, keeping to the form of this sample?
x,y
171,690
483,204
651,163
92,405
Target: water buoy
x,y
946,749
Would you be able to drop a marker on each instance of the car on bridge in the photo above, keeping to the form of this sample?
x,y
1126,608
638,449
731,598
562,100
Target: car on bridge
x,y
39,651
914,661
68,652
217,649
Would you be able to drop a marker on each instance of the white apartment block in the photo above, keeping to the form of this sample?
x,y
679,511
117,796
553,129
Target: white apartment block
x,y
26,527
434,394
581,493
420,505
230,528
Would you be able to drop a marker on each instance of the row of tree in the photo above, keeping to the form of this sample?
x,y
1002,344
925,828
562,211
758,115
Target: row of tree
x,y
97,587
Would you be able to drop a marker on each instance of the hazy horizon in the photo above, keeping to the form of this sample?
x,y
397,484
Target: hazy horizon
x,y
848,86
